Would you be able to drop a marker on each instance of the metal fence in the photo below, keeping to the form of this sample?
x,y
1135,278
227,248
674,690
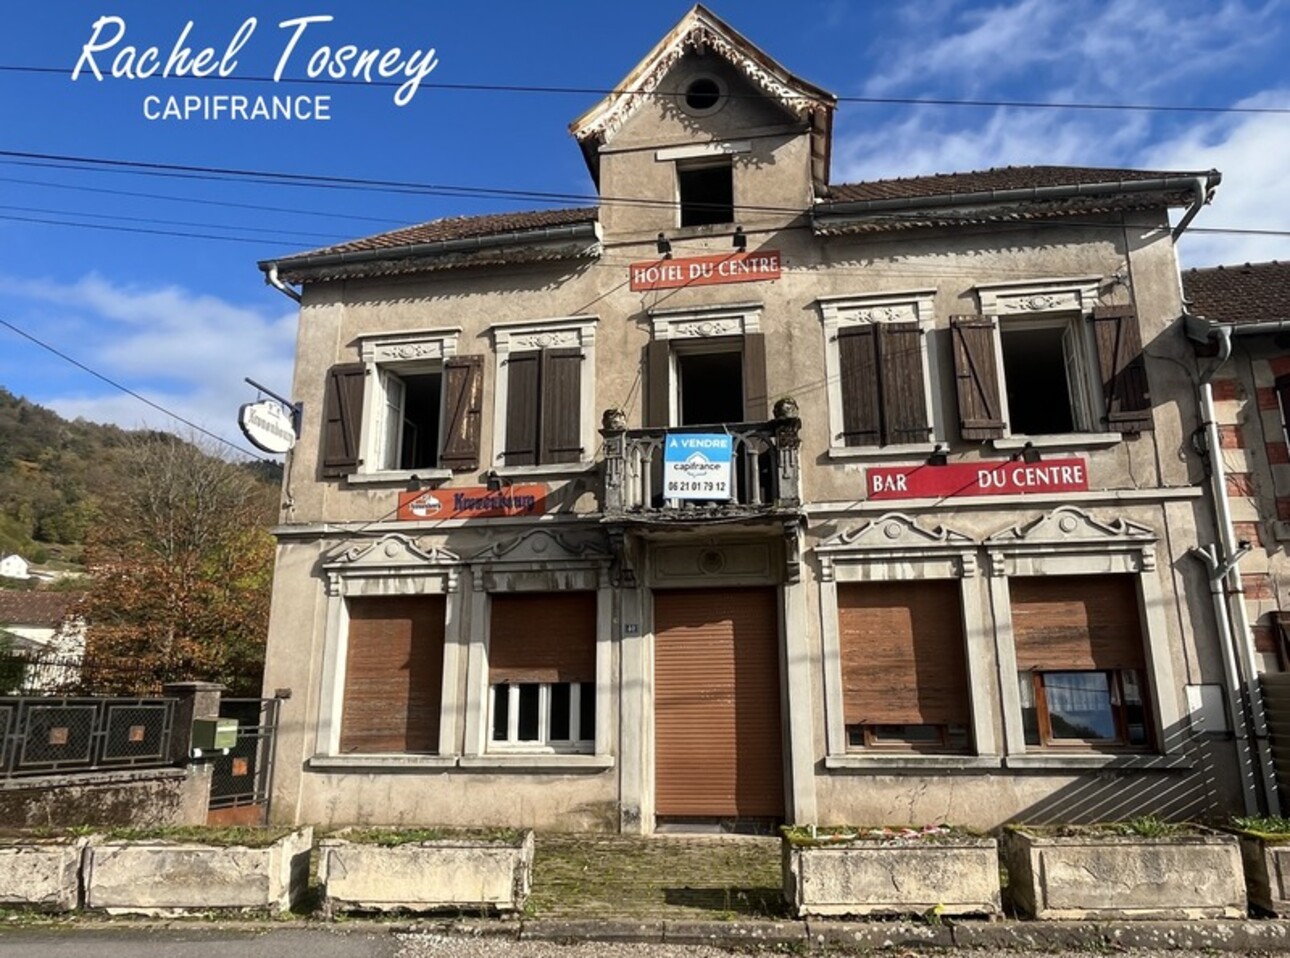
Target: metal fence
x,y
244,776
49,735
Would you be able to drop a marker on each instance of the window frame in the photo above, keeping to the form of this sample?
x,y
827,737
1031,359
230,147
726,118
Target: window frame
x,y
721,161
522,336
1050,301
1119,712
839,312
581,745
695,330
399,354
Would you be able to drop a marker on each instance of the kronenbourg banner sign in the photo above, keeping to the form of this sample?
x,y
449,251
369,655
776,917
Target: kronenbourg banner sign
x,y
267,424
697,466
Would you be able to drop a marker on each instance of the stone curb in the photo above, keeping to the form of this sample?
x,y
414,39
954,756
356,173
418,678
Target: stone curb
x,y
1233,936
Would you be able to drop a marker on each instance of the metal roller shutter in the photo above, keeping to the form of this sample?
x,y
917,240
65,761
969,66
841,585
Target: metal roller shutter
x,y
542,637
716,704
1077,622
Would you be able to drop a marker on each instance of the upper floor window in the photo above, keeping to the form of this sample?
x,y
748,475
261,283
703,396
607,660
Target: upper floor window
x,y
706,190
544,408
411,404
1043,360
706,366
878,371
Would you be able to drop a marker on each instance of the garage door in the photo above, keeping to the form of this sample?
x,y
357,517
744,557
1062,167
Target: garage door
x,y
717,749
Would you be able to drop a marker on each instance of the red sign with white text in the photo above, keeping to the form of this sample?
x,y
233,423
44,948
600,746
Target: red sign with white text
x,y
976,479
705,270
472,502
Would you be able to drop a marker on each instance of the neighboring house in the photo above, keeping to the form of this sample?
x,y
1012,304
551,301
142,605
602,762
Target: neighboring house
x,y
949,579
13,567
43,621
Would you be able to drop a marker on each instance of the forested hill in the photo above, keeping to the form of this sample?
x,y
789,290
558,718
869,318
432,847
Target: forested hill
x,y
56,477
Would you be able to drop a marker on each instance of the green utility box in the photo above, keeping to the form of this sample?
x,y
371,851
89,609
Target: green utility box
x,y
214,733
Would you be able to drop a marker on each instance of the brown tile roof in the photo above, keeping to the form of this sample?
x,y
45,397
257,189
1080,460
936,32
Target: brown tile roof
x,y
1241,293
457,227
42,610
980,181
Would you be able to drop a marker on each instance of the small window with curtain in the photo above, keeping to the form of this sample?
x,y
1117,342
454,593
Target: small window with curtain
x,y
542,672
1081,664
904,667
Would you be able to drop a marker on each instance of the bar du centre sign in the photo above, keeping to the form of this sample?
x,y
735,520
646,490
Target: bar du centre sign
x,y
697,466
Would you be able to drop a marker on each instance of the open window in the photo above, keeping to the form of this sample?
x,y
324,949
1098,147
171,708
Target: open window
x,y
409,419
706,191
1046,376
710,384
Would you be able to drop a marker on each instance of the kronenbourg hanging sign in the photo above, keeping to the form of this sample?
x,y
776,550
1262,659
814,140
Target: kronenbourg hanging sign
x,y
697,466
267,424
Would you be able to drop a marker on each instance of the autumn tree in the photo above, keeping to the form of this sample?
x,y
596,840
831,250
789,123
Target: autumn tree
x,y
181,563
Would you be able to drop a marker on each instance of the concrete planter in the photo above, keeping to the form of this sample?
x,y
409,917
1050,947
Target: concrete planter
x,y
159,877
448,873
951,875
1267,872
1122,876
41,873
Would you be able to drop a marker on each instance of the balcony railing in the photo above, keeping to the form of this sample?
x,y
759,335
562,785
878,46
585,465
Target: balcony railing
x,y
765,467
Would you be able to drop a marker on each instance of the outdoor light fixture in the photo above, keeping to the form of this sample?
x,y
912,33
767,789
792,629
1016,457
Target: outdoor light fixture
x,y
741,240
940,456
494,481
664,246
1028,454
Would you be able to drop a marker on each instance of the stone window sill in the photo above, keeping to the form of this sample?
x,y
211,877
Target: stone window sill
x,y
913,450
400,476
910,763
380,762
1072,440
556,469
1160,763
536,760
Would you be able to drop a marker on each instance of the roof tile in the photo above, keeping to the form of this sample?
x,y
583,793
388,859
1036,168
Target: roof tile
x,y
979,181
1242,293
36,609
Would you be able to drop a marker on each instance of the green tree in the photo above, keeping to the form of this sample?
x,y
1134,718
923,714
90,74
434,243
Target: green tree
x,y
183,566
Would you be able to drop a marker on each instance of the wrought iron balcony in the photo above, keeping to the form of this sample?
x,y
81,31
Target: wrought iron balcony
x,y
765,467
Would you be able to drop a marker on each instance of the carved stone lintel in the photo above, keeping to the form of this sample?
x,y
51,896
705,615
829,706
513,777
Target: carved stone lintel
x,y
553,339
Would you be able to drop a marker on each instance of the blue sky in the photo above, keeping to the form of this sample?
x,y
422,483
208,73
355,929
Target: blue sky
x,y
181,318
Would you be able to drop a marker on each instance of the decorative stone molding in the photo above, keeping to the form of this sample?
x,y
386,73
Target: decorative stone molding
x,y
542,546
390,552
562,338
1070,531
895,530
430,345
705,323
561,332
1062,295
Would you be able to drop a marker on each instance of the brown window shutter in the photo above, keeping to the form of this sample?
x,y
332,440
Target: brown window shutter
x,y
342,419
861,398
903,658
658,369
523,379
463,390
904,403
542,637
1123,370
393,675
976,375
561,426
1076,623
756,404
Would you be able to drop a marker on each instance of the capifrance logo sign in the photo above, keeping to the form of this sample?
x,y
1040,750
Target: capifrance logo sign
x,y
301,46
697,466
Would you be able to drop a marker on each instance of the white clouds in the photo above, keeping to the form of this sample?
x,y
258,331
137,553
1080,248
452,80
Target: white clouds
x,y
185,351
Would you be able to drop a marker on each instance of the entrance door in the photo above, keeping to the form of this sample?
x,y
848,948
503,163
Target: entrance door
x,y
717,735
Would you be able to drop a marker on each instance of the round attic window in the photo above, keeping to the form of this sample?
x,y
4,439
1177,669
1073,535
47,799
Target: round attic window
x,y
704,95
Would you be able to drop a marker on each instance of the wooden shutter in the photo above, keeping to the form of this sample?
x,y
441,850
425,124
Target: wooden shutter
x,y
463,390
1076,622
523,376
542,637
756,405
393,675
903,659
976,375
904,402
658,371
861,395
342,419
560,431
1122,368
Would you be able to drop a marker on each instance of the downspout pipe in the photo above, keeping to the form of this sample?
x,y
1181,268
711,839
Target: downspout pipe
x,y
271,277
1229,606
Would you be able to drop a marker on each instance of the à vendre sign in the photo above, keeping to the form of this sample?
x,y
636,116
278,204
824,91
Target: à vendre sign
x,y
705,270
472,502
976,479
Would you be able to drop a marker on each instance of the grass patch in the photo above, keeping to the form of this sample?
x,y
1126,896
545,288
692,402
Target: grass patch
x,y
1271,829
817,836
393,837
226,837
1144,826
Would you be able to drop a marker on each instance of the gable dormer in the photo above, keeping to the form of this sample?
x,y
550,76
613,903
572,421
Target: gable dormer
x,y
706,132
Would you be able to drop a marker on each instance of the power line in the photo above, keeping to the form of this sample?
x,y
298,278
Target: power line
x,y
128,391
674,95
151,232
325,237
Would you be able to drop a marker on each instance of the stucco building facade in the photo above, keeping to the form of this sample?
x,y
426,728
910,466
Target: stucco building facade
x,y
945,574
